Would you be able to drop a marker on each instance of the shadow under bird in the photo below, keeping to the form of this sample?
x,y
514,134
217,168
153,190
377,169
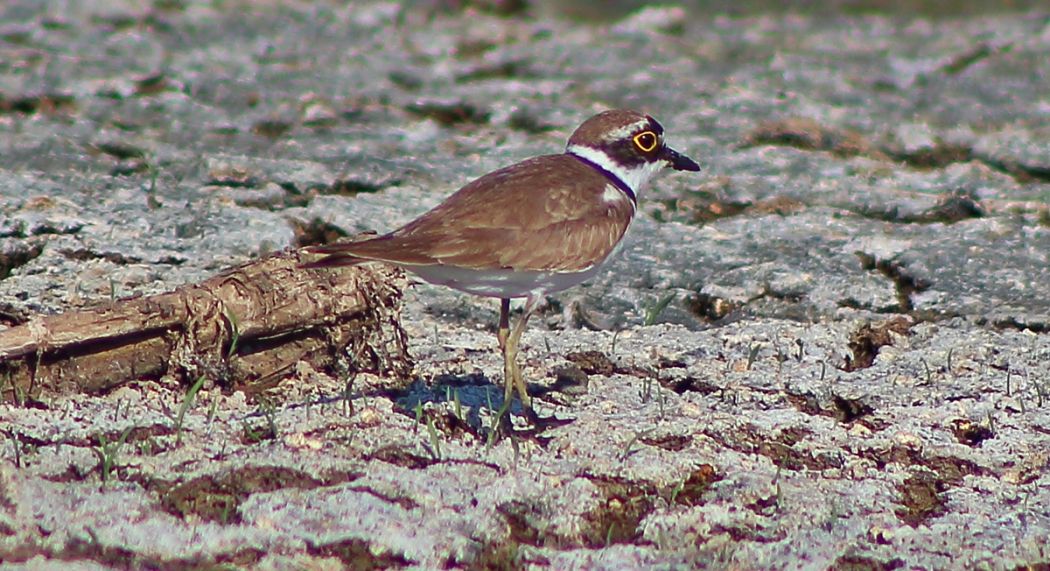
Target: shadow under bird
x,y
536,227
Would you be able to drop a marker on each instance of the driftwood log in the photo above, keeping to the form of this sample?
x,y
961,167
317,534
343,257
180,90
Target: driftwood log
x,y
248,328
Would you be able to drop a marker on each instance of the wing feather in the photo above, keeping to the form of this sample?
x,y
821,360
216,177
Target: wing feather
x,y
550,213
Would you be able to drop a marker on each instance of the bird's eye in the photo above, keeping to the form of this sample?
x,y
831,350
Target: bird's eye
x,y
645,141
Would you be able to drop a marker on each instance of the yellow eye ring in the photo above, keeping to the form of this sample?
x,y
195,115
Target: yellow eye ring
x,y
646,141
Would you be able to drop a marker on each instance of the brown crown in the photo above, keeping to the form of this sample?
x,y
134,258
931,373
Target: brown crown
x,y
594,131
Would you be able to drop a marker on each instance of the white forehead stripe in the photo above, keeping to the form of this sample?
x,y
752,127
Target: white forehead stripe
x,y
625,131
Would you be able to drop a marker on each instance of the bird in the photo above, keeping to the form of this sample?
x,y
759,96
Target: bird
x,y
533,228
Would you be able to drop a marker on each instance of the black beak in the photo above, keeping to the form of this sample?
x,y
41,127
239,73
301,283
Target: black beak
x,y
679,162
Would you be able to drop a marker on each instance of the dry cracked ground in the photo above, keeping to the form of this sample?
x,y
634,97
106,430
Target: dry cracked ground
x,y
828,350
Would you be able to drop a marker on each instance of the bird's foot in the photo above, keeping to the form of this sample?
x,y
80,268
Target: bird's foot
x,y
502,425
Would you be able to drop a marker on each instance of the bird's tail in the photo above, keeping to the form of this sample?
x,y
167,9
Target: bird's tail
x,y
334,255
333,261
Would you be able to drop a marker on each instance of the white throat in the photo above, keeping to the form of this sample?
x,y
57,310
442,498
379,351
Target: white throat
x,y
634,178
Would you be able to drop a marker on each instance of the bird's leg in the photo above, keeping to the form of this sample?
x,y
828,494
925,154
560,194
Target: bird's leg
x,y
504,323
509,339
512,371
501,334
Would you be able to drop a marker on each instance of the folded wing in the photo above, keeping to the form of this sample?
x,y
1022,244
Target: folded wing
x,y
550,213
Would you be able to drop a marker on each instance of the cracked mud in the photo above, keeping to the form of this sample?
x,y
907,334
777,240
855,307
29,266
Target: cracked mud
x,y
827,350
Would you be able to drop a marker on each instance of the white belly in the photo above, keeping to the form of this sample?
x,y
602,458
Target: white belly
x,y
503,283
507,283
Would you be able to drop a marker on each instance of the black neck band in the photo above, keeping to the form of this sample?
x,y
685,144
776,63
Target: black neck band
x,y
612,177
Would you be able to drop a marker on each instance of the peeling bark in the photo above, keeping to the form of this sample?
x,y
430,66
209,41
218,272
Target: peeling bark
x,y
247,328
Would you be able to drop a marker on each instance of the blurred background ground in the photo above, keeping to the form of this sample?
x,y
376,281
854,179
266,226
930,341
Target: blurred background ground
x,y
827,350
